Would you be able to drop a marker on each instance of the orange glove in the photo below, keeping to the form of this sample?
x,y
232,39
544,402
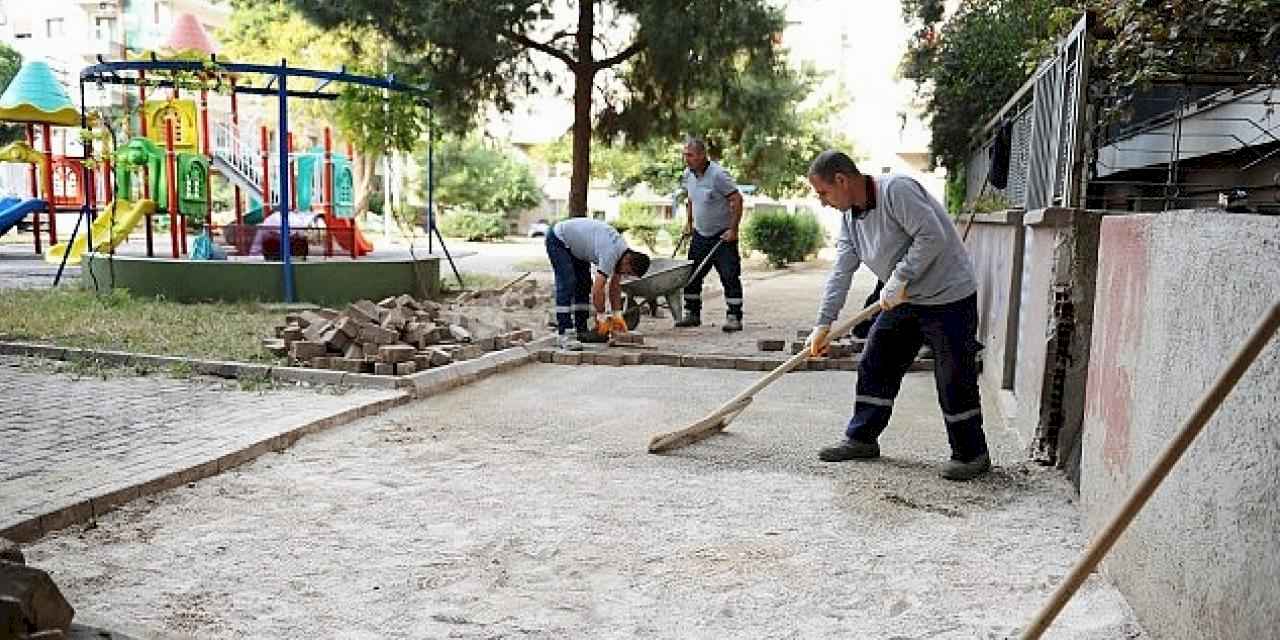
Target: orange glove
x,y
617,324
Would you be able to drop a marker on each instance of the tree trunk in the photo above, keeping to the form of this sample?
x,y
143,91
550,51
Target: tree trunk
x,y
583,76
362,168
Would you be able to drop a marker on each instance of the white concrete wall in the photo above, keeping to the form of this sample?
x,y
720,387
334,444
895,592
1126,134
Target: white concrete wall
x,y
1177,292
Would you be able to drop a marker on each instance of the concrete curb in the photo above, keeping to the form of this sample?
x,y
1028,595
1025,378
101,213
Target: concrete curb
x,y
315,377
619,357
29,526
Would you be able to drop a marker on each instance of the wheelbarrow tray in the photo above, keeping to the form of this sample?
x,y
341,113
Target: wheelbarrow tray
x,y
665,275
666,279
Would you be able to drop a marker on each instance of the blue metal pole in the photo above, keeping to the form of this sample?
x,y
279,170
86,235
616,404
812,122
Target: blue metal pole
x,y
283,181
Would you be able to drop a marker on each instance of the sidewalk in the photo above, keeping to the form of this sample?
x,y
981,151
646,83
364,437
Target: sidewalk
x,y
74,448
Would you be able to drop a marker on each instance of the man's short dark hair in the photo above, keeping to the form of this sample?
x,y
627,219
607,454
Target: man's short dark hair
x,y
639,262
830,162
697,143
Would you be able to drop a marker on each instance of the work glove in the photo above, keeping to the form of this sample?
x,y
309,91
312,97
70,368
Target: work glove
x,y
617,325
894,292
819,340
610,324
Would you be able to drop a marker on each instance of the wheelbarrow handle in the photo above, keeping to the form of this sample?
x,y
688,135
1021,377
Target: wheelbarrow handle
x,y
679,243
701,265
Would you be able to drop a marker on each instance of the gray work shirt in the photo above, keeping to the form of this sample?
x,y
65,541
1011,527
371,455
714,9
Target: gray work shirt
x,y
709,195
593,241
908,233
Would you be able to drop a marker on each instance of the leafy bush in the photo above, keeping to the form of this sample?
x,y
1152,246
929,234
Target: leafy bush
x,y
674,229
473,226
638,222
784,237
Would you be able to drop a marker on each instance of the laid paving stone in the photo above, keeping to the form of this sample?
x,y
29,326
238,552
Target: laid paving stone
x,y
662,359
587,357
384,368
771,344
406,368
630,358
545,355
610,359
567,357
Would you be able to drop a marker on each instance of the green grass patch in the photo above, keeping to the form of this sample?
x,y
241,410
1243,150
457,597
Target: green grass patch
x,y
118,321
472,282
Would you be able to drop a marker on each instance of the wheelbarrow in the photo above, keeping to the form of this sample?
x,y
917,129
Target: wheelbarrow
x,y
665,281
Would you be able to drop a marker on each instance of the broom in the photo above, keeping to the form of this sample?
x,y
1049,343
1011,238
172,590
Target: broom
x,y
717,420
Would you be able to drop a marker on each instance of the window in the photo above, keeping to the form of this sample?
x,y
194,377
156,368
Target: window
x,y
104,29
155,16
53,27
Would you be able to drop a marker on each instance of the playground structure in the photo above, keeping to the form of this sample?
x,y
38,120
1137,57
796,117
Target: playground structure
x,y
164,172
35,99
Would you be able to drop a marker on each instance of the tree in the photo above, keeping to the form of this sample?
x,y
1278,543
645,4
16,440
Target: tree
x,y
270,30
10,62
769,147
970,66
649,56
1236,41
474,175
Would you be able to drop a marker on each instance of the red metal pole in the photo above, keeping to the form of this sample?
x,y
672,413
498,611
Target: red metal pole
x,y
106,179
293,178
235,144
35,187
171,178
48,184
327,187
208,153
146,172
266,174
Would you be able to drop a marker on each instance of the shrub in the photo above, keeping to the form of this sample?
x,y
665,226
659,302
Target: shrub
x,y
784,237
473,226
636,221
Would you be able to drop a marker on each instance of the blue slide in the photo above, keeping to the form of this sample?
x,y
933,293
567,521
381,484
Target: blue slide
x,y
13,210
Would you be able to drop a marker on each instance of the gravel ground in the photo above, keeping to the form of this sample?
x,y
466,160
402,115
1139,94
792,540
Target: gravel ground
x,y
541,516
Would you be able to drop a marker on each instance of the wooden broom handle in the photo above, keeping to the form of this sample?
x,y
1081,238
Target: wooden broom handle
x,y
1155,475
838,330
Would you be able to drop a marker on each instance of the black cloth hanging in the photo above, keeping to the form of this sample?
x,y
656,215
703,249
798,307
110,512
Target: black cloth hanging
x,y
998,156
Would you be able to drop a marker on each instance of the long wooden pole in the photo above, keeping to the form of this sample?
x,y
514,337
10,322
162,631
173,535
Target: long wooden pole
x,y
1208,404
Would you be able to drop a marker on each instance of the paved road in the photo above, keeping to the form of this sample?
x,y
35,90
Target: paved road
x,y
525,505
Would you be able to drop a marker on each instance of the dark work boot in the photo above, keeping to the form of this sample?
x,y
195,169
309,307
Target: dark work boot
x,y
961,471
731,324
690,320
850,450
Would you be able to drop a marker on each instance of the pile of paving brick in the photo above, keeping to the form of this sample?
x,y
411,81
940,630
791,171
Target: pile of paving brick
x,y
397,336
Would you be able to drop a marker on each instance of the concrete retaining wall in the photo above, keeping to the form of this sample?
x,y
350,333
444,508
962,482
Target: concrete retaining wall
x,y
329,282
995,243
1177,292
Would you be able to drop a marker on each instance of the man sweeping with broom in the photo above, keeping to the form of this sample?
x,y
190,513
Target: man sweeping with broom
x,y
892,225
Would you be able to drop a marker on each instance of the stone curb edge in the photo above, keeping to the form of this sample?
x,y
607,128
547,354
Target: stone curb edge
x,y
419,384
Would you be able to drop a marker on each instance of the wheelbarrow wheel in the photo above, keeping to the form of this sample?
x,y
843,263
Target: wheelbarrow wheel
x,y
632,315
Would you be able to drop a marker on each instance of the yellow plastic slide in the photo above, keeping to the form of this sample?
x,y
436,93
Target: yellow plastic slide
x,y
110,229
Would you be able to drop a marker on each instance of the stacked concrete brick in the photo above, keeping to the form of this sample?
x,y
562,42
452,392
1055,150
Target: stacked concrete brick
x,y
397,336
